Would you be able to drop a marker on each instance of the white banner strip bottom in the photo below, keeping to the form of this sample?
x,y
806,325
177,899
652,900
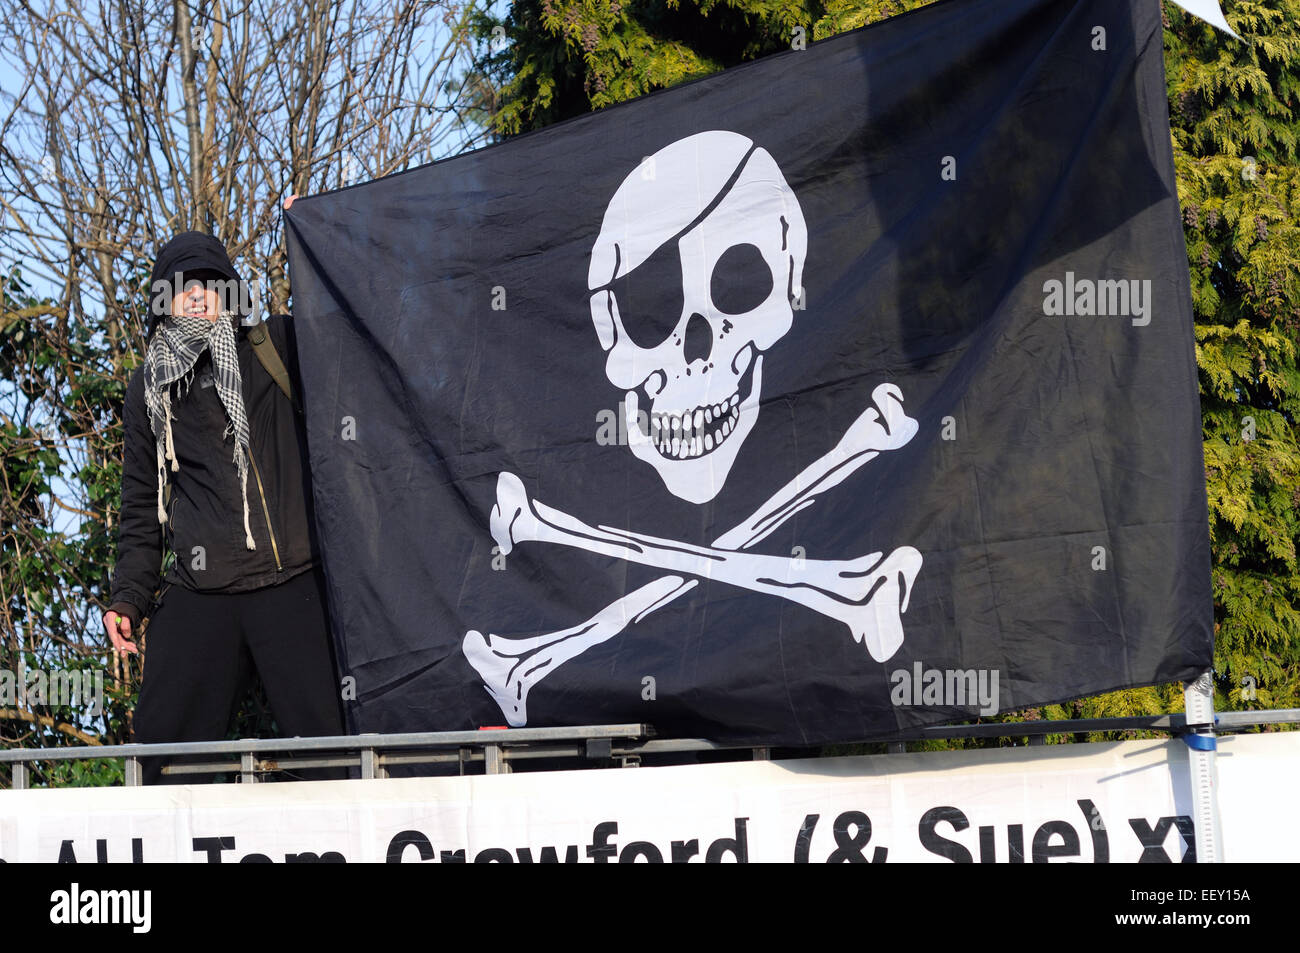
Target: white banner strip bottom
x,y
1119,802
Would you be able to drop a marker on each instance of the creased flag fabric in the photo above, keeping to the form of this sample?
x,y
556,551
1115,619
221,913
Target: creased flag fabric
x,y
843,392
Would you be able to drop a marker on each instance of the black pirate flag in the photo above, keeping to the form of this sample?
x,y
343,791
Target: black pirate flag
x,y
849,390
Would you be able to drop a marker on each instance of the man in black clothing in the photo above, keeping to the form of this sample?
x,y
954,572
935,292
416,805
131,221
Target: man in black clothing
x,y
215,470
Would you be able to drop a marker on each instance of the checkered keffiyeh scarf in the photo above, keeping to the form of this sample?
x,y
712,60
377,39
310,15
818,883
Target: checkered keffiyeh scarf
x,y
172,353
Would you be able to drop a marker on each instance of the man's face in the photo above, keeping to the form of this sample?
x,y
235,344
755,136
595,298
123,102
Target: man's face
x,y
197,301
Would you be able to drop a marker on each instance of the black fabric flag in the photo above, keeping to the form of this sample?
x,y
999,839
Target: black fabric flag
x,y
846,391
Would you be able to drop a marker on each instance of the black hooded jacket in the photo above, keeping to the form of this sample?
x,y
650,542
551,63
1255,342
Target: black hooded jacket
x,y
205,522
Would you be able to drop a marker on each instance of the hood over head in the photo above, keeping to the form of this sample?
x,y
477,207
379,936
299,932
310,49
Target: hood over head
x,y
191,255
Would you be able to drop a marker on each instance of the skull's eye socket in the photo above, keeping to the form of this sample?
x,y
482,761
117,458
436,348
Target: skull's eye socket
x,y
741,280
650,297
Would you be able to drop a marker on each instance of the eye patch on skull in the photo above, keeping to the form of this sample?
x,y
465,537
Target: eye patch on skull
x,y
650,297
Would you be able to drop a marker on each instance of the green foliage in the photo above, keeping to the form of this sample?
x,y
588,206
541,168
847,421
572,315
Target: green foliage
x,y
561,59
60,476
1233,109
1233,116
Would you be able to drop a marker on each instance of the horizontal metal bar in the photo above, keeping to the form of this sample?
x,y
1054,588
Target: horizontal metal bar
x,y
1237,719
261,765
1225,721
572,752
532,743
674,746
430,739
1070,726
424,757
202,767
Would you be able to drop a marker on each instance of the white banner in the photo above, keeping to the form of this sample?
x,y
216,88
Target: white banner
x,y
1118,802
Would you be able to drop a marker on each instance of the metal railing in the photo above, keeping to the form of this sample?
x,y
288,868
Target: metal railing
x,y
374,755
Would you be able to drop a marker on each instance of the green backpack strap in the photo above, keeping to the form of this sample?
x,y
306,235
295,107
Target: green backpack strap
x,y
270,358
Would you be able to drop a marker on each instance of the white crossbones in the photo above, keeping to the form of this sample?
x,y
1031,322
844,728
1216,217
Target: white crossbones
x,y
866,594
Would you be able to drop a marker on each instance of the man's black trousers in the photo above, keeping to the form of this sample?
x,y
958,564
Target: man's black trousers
x,y
200,652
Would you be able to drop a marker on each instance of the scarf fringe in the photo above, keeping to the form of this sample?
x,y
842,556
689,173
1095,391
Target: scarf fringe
x,y
241,462
167,423
162,477
164,452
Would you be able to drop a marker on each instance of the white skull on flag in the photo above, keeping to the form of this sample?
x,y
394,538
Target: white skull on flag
x,y
696,273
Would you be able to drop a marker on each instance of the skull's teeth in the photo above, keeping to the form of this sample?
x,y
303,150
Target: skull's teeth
x,y
681,436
